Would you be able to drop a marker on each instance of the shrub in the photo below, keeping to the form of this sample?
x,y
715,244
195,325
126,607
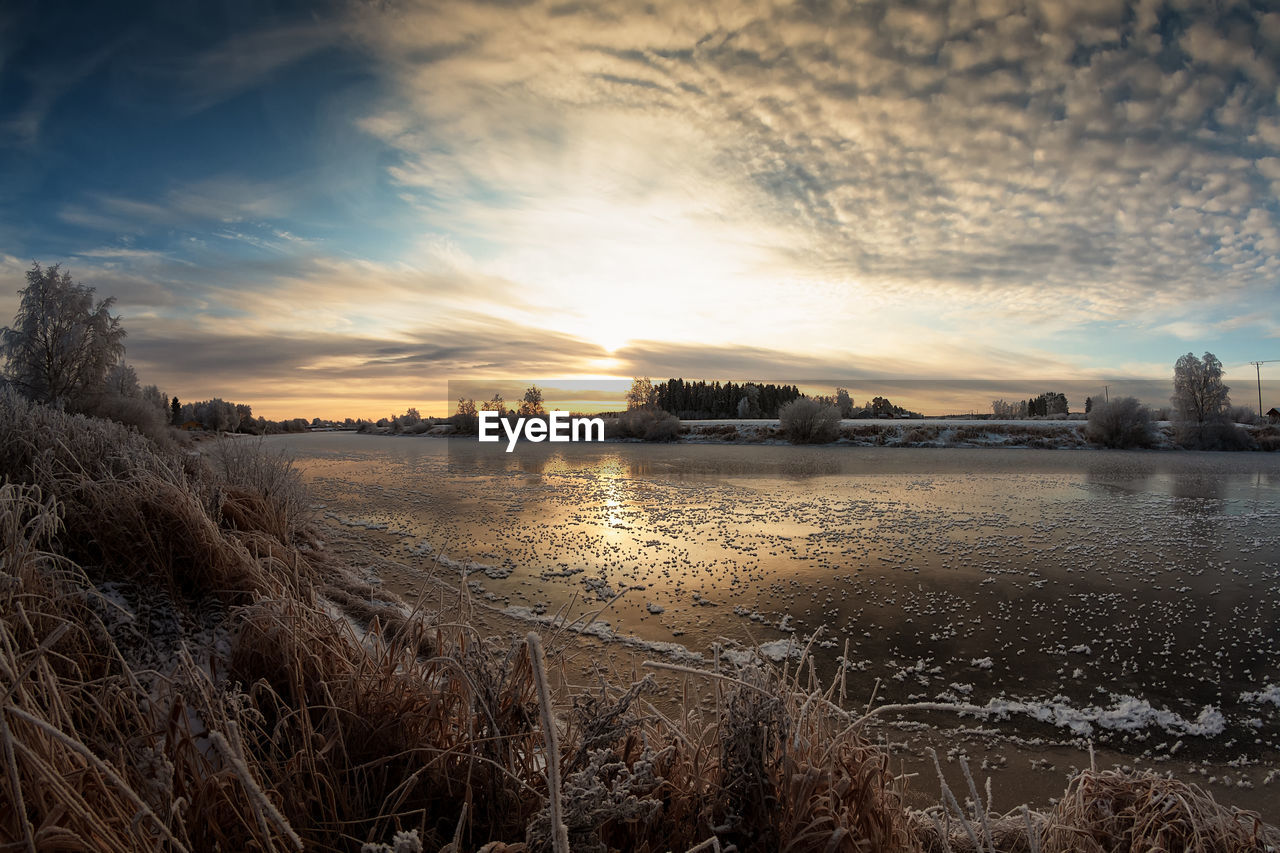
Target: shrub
x,y
1214,435
646,424
43,446
133,511
1268,438
137,413
806,421
1122,422
1242,415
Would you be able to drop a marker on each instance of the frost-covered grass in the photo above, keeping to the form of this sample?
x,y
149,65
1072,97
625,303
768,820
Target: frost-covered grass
x,y
897,433
1125,429
316,713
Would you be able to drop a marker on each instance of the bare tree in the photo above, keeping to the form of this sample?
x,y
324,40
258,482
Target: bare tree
x,y
62,342
155,397
1004,410
642,394
531,402
1199,395
217,415
844,402
465,419
1202,408
122,380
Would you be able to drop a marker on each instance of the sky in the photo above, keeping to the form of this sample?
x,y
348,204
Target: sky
x,y
333,209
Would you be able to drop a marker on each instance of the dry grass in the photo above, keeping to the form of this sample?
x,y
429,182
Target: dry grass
x,y
294,708
724,432
1115,811
1268,438
266,484
915,433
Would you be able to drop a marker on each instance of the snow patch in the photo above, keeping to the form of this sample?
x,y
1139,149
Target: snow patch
x,y
1129,714
1270,693
602,631
776,651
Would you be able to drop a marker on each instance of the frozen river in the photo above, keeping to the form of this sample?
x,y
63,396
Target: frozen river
x,y
1133,597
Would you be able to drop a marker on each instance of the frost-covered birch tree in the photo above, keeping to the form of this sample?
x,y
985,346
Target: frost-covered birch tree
x,y
1199,394
62,342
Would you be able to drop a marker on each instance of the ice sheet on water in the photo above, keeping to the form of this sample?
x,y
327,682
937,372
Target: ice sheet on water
x,y
776,651
1269,694
1128,714
601,630
363,524
497,573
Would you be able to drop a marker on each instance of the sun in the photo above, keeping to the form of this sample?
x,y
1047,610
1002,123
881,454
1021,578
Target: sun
x,y
608,330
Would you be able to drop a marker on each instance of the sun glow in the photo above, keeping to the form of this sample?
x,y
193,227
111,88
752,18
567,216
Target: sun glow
x,y
618,273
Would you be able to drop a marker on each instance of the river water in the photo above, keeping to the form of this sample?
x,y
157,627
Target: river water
x,y
1129,597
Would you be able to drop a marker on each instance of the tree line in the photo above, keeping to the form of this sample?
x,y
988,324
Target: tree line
x,y
1048,404
66,349
702,400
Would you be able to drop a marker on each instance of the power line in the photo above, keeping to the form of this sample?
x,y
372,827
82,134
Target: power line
x,y
1257,367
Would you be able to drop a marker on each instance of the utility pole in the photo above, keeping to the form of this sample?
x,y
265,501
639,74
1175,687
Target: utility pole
x,y
1257,367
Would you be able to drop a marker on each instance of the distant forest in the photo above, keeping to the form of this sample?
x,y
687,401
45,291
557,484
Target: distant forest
x,y
703,400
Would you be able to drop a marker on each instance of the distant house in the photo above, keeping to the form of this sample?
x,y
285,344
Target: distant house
x,y
1273,416
193,425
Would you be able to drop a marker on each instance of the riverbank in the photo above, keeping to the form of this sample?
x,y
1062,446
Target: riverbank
x,y
1052,434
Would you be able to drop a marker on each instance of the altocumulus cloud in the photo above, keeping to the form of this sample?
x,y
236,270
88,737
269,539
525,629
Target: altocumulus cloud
x,y
1087,159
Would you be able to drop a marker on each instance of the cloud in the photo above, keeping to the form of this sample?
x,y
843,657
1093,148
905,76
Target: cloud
x,y
225,200
246,60
21,125
736,189
1028,155
273,372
